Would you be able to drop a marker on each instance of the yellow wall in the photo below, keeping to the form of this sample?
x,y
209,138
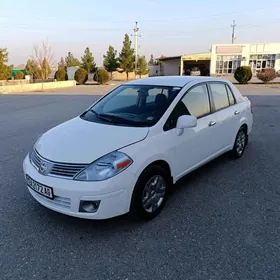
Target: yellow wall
x,y
118,76
36,86
197,56
13,82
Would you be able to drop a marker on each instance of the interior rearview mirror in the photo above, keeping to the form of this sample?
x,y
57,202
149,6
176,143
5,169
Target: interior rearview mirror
x,y
185,121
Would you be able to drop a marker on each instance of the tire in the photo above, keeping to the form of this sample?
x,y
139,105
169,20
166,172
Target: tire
x,y
155,195
240,143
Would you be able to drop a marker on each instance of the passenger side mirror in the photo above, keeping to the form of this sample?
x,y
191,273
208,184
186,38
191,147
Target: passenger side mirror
x,y
185,121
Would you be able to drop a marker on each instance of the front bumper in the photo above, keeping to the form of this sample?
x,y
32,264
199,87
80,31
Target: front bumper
x,y
114,194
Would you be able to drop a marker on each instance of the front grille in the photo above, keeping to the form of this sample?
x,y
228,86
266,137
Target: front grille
x,y
62,202
56,169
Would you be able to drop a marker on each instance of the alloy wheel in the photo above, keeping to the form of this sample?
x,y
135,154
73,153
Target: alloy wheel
x,y
240,142
153,193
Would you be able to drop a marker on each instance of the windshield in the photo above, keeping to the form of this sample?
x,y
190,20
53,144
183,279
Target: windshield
x,y
132,105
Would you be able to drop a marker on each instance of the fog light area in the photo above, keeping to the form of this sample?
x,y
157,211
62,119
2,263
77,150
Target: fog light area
x,y
89,206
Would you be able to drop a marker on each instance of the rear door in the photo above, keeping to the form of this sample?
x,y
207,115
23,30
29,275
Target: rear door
x,y
227,112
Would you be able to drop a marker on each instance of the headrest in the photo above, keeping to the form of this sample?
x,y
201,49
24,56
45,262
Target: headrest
x,y
161,99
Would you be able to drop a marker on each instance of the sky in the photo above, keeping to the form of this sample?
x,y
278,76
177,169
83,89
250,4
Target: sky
x,y
167,28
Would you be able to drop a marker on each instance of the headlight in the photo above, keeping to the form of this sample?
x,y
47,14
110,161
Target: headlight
x,y
105,167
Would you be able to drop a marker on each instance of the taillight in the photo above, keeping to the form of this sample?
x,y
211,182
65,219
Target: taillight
x,y
251,107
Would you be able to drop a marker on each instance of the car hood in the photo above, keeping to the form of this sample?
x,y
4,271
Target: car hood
x,y
80,141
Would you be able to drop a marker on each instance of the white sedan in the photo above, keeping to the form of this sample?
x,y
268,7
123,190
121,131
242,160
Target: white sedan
x,y
123,153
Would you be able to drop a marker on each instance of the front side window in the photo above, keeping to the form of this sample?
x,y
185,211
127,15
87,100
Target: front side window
x,y
196,102
220,95
132,105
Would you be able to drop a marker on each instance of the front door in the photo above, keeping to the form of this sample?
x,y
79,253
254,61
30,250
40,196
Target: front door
x,y
195,144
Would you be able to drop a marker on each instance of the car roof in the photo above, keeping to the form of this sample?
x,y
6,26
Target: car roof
x,y
174,81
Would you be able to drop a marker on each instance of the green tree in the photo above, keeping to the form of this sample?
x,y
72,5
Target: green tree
x,y
61,63
19,75
5,70
88,61
127,56
142,66
101,76
32,69
81,76
110,61
152,61
4,55
243,74
61,74
45,69
71,61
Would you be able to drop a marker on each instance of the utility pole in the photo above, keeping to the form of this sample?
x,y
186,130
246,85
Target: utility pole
x,y
135,35
233,32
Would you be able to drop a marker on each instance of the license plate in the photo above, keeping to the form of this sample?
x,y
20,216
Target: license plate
x,y
39,188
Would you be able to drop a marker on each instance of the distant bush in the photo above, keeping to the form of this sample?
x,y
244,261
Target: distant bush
x,y
243,74
101,76
61,74
19,75
266,75
81,76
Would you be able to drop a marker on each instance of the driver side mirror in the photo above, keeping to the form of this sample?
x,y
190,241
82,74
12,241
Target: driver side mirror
x,y
185,121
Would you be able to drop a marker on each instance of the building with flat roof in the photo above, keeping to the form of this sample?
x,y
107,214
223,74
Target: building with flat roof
x,y
179,65
226,58
222,60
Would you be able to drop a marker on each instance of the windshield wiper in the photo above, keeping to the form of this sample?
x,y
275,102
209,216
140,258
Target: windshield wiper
x,y
116,119
101,116
94,112
121,120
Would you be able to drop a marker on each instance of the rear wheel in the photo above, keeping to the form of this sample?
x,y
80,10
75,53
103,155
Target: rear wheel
x,y
150,193
240,143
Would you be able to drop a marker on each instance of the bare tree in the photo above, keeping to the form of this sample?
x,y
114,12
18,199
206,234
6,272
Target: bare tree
x,y
44,57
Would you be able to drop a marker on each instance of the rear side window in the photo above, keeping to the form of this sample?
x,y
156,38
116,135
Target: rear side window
x,y
230,96
220,95
197,101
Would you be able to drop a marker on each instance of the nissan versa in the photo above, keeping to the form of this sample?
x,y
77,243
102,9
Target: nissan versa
x,y
125,152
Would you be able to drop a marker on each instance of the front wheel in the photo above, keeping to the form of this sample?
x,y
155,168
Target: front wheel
x,y
150,193
240,143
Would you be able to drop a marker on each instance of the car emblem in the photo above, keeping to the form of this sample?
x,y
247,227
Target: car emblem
x,y
45,167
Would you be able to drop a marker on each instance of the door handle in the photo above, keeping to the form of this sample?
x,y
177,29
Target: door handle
x,y
211,123
236,112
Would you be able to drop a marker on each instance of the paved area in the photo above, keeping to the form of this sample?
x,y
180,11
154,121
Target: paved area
x,y
221,222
